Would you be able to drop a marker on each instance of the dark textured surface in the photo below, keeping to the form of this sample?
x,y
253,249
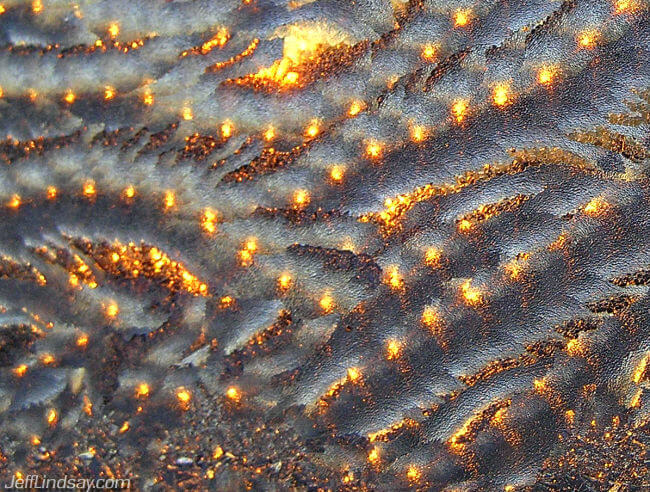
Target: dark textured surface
x,y
376,245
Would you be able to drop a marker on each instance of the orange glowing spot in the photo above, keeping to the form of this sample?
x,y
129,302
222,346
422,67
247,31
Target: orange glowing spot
x,y
285,281
2,93
413,473
82,341
48,359
459,109
187,113
374,149
109,93
540,385
355,108
428,52
37,6
471,294
393,349
89,190
462,17
373,455
337,173
218,453
291,78
623,6
313,129
148,98
326,303
430,317
209,221
233,393
35,440
227,129
394,278
2,9
14,202
113,29
129,192
300,198
170,200
51,193
218,40
269,134
546,75
183,396
20,370
73,280
69,97
500,95
354,374
142,390
111,310
596,207
251,244
245,257
52,417
125,427
636,399
570,416
464,225
574,347
432,257
509,488
588,39
640,370
88,406
226,302
418,133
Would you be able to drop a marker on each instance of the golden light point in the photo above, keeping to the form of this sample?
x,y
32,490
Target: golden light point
x,y
52,417
374,149
269,134
291,78
326,303
14,202
393,349
37,6
89,189
461,17
430,317
129,192
413,473
432,257
2,9
336,173
48,359
226,302
500,95
233,393
313,129
187,113
115,257
418,133
539,385
596,207
184,396
570,416
148,98
471,294
20,370
509,488
170,200
464,225
636,399
35,440
109,93
125,427
640,370
111,310
373,455
2,93
429,52
622,6
355,108
113,30
459,109
588,39
209,221
51,193
573,347
353,374
217,453
394,278
227,129
251,244
73,280
546,75
142,390
69,96
82,340
300,198
284,281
